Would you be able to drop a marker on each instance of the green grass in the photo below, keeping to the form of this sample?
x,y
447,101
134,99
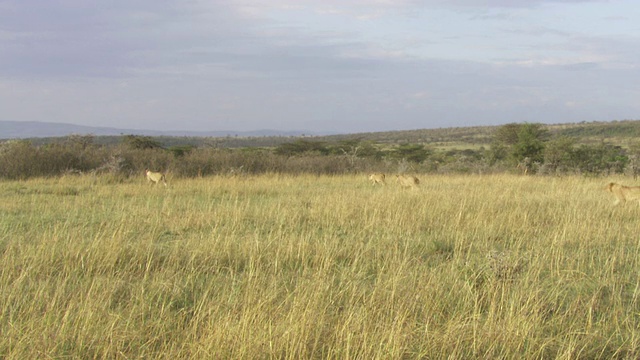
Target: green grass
x,y
318,267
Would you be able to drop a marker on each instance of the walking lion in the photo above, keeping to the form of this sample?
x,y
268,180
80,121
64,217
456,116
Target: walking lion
x,y
155,177
407,181
377,178
623,193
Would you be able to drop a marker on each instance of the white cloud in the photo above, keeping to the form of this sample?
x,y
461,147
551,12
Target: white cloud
x,y
504,3
314,65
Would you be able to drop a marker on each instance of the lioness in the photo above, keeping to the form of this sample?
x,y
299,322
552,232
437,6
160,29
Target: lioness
x,y
155,177
377,178
407,181
623,193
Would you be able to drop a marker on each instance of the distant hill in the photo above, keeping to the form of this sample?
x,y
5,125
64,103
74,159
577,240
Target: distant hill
x,y
36,129
622,133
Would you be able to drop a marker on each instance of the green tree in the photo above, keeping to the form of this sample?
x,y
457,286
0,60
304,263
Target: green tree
x,y
497,152
82,142
559,153
507,134
416,153
600,159
345,147
519,143
530,144
141,142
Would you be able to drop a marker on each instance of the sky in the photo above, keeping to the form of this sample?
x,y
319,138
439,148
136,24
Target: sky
x,y
341,66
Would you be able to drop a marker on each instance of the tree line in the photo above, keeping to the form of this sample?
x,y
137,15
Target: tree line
x,y
528,148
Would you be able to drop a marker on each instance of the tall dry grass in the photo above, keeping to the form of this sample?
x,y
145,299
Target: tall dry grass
x,y
318,267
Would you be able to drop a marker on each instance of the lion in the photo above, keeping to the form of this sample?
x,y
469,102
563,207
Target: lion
x,y
155,177
407,181
377,178
623,193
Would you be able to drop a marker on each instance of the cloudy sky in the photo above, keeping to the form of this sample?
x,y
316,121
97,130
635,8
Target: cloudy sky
x,y
318,65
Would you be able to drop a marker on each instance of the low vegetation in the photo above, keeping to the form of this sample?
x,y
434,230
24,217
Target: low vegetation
x,y
314,266
525,148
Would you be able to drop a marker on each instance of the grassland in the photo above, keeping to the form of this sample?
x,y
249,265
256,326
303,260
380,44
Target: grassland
x,y
318,267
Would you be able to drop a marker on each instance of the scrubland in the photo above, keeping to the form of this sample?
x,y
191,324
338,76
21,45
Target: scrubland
x,y
292,267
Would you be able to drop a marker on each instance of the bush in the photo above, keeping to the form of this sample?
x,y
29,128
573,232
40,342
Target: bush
x,y
21,160
600,159
18,160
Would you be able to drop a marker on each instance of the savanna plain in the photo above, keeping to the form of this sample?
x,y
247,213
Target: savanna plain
x,y
291,267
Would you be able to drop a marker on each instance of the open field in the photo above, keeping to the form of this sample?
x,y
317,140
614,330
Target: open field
x,y
318,267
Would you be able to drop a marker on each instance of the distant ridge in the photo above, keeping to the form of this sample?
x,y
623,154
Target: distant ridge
x,y
625,131
36,129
